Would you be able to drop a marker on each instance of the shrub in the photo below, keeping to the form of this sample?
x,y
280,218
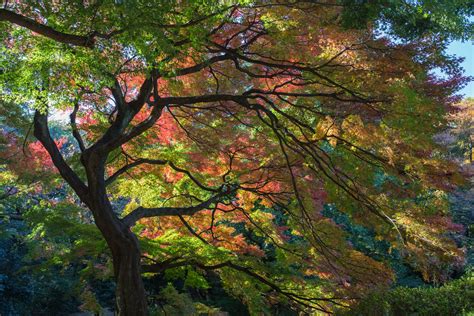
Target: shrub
x,y
454,298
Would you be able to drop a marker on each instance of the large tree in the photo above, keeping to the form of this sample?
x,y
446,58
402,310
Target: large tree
x,y
229,126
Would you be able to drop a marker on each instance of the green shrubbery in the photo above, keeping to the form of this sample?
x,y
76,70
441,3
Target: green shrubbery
x,y
454,298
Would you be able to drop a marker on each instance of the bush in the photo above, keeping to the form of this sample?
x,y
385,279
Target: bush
x,y
453,298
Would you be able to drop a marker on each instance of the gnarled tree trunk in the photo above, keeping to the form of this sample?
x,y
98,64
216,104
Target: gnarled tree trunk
x,y
131,298
130,292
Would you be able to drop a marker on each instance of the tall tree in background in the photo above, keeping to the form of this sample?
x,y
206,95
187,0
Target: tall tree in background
x,y
207,116
462,131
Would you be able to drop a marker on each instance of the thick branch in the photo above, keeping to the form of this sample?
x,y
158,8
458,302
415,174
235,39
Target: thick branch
x,y
201,66
114,136
41,132
149,86
142,212
202,99
76,40
138,129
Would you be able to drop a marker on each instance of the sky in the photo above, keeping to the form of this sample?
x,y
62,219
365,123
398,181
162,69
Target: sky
x,y
465,50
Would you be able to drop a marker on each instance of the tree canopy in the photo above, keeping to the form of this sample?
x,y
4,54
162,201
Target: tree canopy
x,y
237,137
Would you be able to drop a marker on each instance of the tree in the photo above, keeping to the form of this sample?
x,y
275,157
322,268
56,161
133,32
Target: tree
x,y
462,131
209,116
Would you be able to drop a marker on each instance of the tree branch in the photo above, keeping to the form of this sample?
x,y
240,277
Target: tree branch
x,y
41,132
142,212
75,131
114,136
312,302
202,65
140,161
135,163
72,39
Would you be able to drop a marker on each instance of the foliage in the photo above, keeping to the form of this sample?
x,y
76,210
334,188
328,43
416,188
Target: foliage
x,y
364,240
265,144
25,287
453,298
48,248
462,201
47,261
175,303
462,130
412,19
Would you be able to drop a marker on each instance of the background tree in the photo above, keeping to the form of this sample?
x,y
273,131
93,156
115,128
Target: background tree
x,y
206,117
462,130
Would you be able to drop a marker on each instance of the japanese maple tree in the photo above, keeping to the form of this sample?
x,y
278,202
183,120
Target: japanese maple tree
x,y
229,127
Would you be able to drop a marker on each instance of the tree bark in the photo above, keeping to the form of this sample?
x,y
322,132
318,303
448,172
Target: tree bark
x,y
130,292
131,298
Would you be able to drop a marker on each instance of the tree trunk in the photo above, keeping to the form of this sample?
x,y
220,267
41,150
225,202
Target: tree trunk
x,y
130,293
131,299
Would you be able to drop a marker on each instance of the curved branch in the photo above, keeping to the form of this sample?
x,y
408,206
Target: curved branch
x,y
75,131
143,212
66,38
115,134
311,302
140,161
133,164
201,66
190,176
41,132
